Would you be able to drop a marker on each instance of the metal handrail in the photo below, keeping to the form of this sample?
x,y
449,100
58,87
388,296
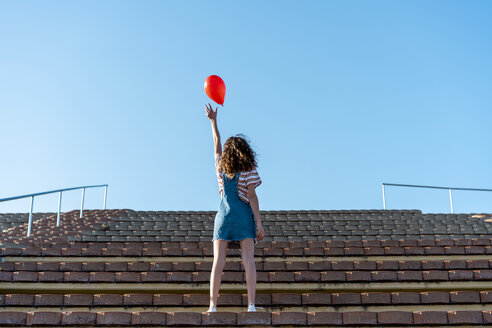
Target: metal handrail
x,y
431,187
59,191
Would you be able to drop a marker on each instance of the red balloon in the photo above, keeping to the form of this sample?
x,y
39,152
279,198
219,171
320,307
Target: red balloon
x,y
215,89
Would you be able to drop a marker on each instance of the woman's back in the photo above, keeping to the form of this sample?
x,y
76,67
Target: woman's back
x,y
246,178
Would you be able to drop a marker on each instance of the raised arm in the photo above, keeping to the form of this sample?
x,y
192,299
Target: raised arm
x,y
212,115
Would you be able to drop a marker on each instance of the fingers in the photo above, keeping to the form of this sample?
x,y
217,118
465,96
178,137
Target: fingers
x,y
207,111
208,106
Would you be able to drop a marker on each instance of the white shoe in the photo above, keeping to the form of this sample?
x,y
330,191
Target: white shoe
x,y
212,309
251,307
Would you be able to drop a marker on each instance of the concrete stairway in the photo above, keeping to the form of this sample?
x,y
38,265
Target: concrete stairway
x,y
337,278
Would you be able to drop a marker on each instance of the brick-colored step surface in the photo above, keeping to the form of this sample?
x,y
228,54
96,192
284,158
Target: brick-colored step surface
x,y
261,276
429,268
356,318
320,268
12,220
266,251
458,242
195,226
44,227
274,299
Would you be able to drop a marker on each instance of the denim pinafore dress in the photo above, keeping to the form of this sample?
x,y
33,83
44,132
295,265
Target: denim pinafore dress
x,y
235,219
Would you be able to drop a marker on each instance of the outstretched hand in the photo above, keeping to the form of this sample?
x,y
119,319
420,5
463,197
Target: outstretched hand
x,y
211,114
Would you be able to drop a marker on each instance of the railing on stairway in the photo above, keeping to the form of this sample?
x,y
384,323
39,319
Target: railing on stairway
x,y
430,187
59,191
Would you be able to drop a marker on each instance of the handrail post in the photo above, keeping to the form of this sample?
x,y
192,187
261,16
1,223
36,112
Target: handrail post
x,y
384,198
82,203
29,224
105,196
59,209
451,201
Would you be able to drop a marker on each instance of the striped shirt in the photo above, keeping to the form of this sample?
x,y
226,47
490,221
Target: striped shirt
x,y
245,179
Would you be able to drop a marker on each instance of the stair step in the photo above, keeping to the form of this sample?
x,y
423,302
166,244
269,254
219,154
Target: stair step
x,y
394,299
231,287
239,276
235,264
306,251
352,318
459,242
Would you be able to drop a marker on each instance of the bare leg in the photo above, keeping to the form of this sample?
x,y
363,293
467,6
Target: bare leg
x,y
220,253
248,256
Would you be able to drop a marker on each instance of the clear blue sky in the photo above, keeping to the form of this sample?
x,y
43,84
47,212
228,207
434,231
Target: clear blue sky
x,y
335,96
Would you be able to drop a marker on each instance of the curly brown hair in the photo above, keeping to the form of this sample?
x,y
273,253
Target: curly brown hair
x,y
237,155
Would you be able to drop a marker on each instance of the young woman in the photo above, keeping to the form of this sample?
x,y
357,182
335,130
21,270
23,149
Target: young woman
x,y
238,218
